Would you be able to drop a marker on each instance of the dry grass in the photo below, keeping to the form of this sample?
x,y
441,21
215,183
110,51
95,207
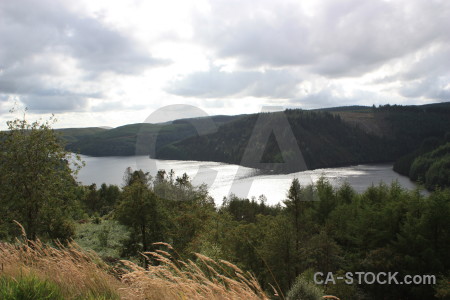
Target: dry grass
x,y
79,274
177,279
83,275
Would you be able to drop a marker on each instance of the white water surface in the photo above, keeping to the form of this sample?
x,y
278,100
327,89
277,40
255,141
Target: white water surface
x,y
223,179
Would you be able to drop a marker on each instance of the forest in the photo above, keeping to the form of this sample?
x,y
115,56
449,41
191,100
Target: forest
x,y
315,228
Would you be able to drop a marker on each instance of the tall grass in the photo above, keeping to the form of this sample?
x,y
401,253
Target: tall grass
x,y
74,273
78,274
178,279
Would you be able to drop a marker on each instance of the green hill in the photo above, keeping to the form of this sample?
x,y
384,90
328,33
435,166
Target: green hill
x,y
72,135
122,141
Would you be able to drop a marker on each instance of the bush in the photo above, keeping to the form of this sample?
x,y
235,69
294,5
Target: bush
x,y
106,238
304,290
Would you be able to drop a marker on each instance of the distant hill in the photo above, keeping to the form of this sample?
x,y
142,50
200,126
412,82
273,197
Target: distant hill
x,y
72,135
326,137
122,141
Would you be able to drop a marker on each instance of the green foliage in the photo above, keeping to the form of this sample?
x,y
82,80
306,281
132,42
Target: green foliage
x,y
321,252
99,201
304,289
106,238
187,209
37,183
247,210
442,288
432,168
165,208
139,209
28,287
384,229
343,290
438,174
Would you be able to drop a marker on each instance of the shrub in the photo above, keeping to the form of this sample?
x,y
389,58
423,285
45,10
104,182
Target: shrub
x,y
303,289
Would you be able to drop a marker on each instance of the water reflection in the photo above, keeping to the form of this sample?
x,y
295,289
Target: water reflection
x,y
244,182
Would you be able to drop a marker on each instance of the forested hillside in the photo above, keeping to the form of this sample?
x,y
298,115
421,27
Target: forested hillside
x,y
334,137
429,164
121,141
325,140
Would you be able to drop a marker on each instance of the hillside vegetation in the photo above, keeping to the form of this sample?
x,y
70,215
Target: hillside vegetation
x,y
326,138
323,139
429,165
122,141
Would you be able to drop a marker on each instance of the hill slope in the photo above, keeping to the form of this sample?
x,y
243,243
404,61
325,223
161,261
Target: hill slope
x,y
122,141
324,140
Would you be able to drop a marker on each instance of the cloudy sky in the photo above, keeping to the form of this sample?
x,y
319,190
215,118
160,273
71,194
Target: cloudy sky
x,y
109,63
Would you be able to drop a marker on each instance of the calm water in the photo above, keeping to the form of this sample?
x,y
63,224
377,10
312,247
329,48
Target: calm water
x,y
223,179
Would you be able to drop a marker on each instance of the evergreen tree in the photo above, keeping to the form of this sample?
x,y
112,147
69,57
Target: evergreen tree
x,y
139,209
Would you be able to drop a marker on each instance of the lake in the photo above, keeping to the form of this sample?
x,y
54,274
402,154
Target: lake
x,y
223,179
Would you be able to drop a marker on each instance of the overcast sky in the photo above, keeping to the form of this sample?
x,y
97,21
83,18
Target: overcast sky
x,y
109,63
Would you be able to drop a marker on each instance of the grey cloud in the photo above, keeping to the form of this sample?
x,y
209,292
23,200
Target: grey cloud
x,y
57,100
436,88
334,95
100,49
38,39
43,92
426,75
343,38
216,83
323,98
55,103
106,105
31,28
434,62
